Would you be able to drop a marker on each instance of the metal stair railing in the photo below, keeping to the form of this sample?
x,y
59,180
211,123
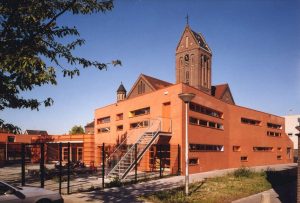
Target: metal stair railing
x,y
122,162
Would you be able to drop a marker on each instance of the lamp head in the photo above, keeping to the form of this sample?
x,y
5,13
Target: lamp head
x,y
186,97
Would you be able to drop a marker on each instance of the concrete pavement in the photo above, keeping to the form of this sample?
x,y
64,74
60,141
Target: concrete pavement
x,y
129,193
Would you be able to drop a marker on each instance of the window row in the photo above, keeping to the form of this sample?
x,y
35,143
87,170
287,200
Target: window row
x,y
204,123
250,121
139,124
205,110
273,134
257,122
206,147
138,112
262,149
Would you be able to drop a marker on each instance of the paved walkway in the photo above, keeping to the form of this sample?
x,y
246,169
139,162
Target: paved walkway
x,y
130,192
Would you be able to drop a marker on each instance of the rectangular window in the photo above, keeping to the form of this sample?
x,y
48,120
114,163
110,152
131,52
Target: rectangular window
x,y
10,138
65,153
79,154
279,149
290,134
104,130
141,124
236,148
262,149
205,110
250,121
244,158
119,116
139,112
275,126
206,147
279,157
273,134
288,152
119,127
204,123
103,120
193,161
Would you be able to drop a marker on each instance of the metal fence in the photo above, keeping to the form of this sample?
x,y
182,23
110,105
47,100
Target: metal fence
x,y
55,166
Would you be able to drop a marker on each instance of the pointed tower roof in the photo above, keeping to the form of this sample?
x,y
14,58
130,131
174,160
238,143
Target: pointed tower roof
x,y
121,88
198,37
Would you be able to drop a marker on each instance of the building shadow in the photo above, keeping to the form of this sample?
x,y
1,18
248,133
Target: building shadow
x,y
284,184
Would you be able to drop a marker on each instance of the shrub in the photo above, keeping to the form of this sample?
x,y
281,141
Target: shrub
x,y
243,172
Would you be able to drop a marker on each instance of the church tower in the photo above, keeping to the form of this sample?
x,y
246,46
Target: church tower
x,y
193,60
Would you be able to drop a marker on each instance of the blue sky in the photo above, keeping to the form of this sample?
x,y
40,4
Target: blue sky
x,y
255,45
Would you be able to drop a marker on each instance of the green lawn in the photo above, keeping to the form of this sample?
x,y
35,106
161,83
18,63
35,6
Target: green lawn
x,y
241,183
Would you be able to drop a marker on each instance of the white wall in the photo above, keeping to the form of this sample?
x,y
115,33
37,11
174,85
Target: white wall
x,y
291,121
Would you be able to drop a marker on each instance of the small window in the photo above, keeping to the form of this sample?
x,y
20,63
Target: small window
x,y
139,112
279,157
236,148
290,134
279,149
273,134
119,116
119,127
193,161
103,120
244,158
275,126
104,130
79,154
10,138
186,42
141,124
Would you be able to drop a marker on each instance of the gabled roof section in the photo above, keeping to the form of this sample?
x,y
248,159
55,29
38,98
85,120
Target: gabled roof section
x,y
36,132
151,84
222,92
156,83
198,37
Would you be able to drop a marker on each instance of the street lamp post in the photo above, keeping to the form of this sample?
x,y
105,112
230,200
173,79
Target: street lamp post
x,y
298,169
186,98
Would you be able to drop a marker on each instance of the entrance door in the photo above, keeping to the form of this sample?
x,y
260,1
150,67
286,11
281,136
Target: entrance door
x,y
166,117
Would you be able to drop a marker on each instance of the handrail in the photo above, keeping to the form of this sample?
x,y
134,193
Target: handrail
x,y
123,142
151,124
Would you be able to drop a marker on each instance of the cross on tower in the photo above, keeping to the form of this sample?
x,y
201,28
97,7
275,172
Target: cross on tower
x,y
187,19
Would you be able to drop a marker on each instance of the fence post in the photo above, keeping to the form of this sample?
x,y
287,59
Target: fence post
x,y
135,162
42,167
178,158
160,161
103,164
60,166
23,164
69,163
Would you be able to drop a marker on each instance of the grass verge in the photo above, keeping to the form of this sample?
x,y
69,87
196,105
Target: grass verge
x,y
241,183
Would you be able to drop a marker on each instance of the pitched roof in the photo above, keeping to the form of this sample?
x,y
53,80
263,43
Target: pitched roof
x,y
201,41
156,83
121,88
36,132
219,90
91,124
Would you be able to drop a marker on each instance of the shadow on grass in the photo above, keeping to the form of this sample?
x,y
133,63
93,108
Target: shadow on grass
x,y
284,183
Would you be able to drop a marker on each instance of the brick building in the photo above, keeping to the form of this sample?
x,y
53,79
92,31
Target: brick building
x,y
221,133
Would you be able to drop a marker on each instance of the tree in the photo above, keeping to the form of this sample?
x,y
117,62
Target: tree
x,y
32,48
76,130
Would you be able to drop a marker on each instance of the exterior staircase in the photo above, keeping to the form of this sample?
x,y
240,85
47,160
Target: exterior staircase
x,y
123,157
